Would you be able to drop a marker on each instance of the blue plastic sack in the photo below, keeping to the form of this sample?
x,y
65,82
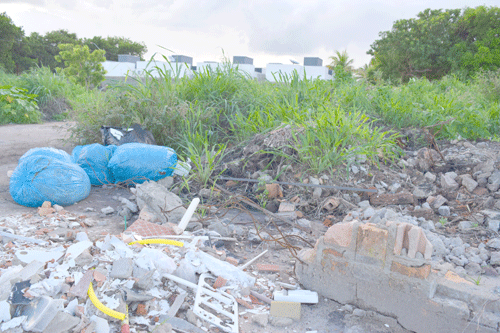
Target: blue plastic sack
x,y
40,178
58,154
139,162
94,160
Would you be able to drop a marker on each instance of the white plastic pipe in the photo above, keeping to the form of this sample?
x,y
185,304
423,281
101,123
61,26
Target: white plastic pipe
x,y
189,213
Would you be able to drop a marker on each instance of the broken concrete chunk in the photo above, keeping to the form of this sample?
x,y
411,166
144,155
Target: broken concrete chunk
x,y
4,311
122,268
165,205
444,211
469,183
107,210
426,158
101,324
436,202
448,182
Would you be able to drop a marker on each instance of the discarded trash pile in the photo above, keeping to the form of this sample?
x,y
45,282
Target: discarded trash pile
x,y
62,283
427,227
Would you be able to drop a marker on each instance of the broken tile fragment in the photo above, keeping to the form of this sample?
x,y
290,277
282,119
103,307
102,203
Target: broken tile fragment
x,y
267,268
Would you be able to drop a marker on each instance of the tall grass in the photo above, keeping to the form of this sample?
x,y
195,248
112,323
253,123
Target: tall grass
x,y
201,115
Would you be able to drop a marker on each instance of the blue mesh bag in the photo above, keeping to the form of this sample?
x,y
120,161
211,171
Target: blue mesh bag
x,y
39,178
139,162
94,160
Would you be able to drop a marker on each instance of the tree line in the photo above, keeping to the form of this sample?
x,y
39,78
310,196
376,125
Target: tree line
x,y
434,44
19,52
438,43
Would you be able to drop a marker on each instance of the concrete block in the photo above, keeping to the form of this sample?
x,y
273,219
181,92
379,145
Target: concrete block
x,y
371,242
285,309
333,280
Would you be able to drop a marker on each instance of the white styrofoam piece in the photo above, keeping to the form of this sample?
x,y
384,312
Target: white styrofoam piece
x,y
300,296
13,323
76,249
4,311
28,256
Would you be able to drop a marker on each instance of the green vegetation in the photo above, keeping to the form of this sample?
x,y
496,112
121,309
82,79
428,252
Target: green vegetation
x,y
439,43
17,106
81,66
443,221
357,115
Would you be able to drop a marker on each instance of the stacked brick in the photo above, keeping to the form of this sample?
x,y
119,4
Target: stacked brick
x,y
387,268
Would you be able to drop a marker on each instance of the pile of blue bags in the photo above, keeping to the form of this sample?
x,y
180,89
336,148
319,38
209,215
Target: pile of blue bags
x,y
49,174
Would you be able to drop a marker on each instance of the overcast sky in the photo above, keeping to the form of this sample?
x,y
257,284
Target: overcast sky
x,y
265,30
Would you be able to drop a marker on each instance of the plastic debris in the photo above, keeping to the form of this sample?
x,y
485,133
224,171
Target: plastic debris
x,y
300,296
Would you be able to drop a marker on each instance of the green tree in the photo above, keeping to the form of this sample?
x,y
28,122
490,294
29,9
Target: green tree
x,y
439,42
10,38
115,46
479,47
81,66
417,47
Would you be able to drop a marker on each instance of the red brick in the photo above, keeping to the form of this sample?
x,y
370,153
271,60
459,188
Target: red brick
x,y
232,261
372,241
219,282
244,303
141,310
421,272
384,199
331,252
339,234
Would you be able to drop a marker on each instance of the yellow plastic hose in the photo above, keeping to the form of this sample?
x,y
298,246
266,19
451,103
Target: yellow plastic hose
x,y
103,308
158,241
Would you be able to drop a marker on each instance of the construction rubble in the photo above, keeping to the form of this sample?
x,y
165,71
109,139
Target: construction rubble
x,y
415,247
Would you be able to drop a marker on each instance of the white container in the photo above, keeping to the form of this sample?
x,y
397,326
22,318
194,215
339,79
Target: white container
x,y
40,313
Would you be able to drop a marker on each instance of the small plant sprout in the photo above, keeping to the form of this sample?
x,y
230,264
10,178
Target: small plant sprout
x,y
443,221
476,281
